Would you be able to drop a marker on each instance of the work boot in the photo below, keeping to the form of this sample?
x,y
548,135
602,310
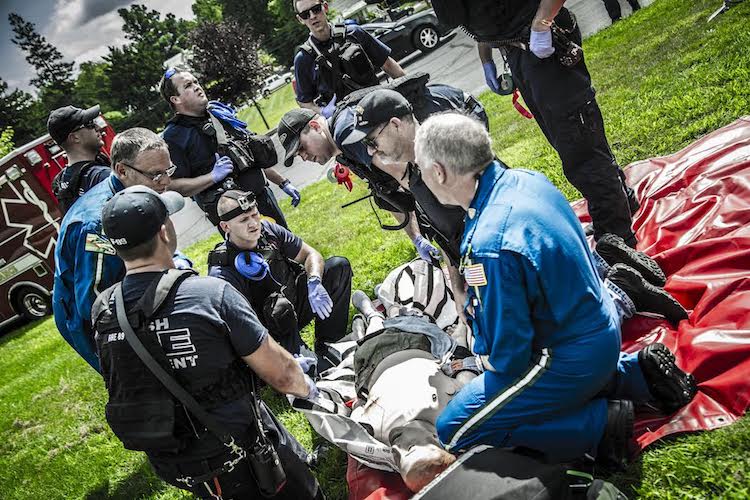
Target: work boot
x,y
670,387
363,304
645,296
614,250
612,452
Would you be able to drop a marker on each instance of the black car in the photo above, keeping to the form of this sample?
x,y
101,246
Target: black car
x,y
420,31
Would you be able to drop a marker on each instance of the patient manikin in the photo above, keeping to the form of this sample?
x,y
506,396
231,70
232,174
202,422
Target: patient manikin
x,y
402,370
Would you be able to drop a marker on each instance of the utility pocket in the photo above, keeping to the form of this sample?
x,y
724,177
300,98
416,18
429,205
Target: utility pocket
x,y
144,425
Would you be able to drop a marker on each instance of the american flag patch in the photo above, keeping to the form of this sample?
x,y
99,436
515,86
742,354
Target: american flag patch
x,y
474,275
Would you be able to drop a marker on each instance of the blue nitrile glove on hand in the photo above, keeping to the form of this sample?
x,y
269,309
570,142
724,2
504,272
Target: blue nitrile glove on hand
x,y
313,391
181,261
426,250
329,108
320,302
292,191
490,76
222,168
305,362
540,43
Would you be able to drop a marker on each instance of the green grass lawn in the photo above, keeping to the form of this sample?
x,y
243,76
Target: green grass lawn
x,y
664,78
274,106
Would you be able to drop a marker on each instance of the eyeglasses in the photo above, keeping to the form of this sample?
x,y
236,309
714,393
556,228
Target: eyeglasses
x,y
312,11
89,125
372,143
154,177
169,73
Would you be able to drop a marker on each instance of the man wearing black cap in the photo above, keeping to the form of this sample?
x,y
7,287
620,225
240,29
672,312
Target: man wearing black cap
x,y
205,168
287,281
85,262
74,130
358,136
205,335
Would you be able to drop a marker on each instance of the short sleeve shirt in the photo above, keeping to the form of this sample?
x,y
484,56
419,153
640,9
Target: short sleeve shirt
x,y
307,72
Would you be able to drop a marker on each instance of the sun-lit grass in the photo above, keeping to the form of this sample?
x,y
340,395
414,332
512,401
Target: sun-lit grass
x,y
664,77
273,107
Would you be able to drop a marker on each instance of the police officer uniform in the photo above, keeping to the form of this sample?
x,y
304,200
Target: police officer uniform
x,y
192,147
197,330
320,73
545,328
563,103
281,296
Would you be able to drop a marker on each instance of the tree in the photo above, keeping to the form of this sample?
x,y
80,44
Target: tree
x,y
253,13
6,141
93,86
207,11
134,70
288,32
21,112
226,55
54,77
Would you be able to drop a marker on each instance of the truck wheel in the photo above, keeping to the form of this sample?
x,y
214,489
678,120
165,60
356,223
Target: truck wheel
x,y
32,304
426,38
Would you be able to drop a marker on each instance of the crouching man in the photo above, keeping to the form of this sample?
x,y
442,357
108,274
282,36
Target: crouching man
x,y
286,280
204,335
545,327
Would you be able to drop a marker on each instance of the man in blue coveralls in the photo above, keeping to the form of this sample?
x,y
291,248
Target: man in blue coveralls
x,y
85,261
545,327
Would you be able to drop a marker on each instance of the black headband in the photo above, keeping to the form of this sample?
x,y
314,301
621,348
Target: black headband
x,y
246,201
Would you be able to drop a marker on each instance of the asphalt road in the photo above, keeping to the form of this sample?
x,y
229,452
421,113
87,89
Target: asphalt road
x,y
453,62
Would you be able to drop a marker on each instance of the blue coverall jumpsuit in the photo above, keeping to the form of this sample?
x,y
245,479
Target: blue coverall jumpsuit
x,y
543,323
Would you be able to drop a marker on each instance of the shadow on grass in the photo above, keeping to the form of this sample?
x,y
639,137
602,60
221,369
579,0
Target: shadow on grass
x,y
142,483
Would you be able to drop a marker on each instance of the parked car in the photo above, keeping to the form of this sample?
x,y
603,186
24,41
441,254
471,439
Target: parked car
x,y
274,82
420,31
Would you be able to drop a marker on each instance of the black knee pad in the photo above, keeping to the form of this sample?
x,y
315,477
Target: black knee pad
x,y
280,316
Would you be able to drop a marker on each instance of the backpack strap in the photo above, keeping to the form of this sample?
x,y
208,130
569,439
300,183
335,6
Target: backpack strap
x,y
158,291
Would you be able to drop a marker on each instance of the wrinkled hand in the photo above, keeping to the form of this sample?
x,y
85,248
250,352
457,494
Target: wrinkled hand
x,y
329,108
540,43
312,390
292,191
305,362
222,168
425,249
320,302
490,76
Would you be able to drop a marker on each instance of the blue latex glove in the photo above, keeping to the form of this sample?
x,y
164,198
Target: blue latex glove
x,y
490,76
425,249
320,302
540,43
329,108
312,390
222,168
292,191
181,261
305,362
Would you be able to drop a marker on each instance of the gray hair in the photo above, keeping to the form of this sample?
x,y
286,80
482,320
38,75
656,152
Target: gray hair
x,y
456,141
130,143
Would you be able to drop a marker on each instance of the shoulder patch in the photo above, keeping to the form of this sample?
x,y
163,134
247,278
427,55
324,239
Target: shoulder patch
x,y
99,244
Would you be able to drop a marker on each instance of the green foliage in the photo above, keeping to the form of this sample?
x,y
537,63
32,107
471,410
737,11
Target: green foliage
x,y
93,86
207,11
227,54
6,141
21,112
288,32
134,70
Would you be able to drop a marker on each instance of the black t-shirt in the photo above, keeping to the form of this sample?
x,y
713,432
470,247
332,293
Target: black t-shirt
x,y
203,329
193,153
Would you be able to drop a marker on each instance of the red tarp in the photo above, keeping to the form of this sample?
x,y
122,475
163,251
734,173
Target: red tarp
x,y
695,221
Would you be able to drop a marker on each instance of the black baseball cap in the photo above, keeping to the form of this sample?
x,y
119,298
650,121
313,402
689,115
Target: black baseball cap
x,y
63,121
135,214
374,109
290,128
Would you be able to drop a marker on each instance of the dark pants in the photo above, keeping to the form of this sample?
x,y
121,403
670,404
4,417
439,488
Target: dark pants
x,y
614,10
239,483
563,103
337,280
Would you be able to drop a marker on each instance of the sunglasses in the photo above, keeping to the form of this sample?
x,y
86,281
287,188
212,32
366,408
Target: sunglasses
x,y
312,11
372,143
89,125
169,73
154,177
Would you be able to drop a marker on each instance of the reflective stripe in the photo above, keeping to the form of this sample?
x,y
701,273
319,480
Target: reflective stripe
x,y
98,273
490,408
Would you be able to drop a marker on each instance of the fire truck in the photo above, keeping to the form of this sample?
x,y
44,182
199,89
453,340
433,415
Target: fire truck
x,y
29,223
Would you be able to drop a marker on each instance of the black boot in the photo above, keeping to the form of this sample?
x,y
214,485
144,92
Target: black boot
x,y
645,296
612,453
613,249
670,387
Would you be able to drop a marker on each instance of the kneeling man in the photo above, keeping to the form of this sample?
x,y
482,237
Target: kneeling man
x,y
286,280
